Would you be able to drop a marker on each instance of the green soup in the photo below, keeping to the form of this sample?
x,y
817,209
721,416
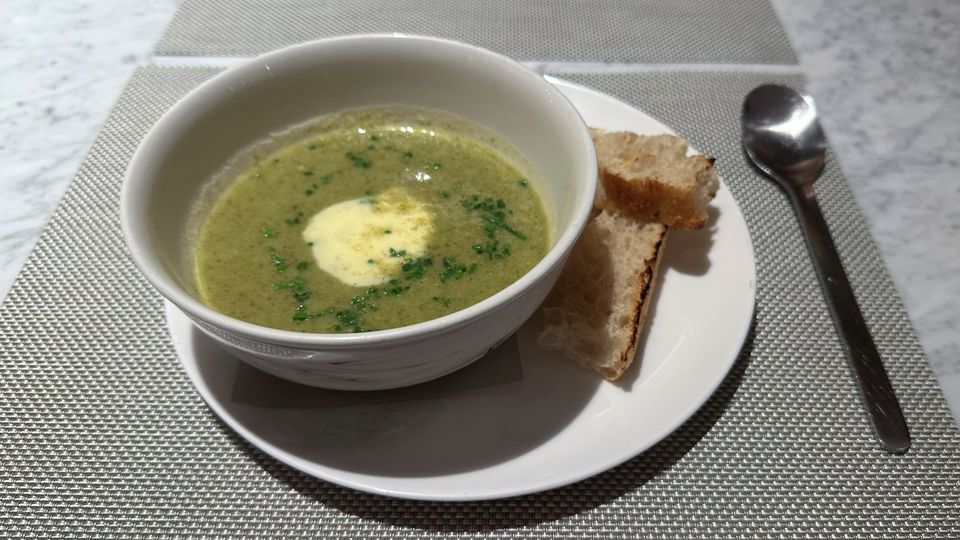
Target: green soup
x,y
370,220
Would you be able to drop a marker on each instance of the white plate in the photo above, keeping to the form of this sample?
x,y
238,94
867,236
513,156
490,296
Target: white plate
x,y
560,424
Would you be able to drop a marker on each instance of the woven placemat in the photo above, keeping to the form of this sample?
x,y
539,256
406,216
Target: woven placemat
x,y
102,435
650,31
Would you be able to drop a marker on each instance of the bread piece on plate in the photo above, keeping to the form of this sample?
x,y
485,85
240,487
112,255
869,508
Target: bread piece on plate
x,y
652,177
595,312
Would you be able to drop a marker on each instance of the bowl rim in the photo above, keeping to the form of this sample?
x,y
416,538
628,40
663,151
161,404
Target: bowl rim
x,y
332,341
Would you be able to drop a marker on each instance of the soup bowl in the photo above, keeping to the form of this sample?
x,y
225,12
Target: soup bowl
x,y
233,110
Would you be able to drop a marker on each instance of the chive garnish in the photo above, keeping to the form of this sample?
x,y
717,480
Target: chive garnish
x,y
415,268
278,263
454,270
494,213
395,288
359,160
492,249
297,284
295,219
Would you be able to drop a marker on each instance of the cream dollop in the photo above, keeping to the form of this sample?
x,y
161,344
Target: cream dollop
x,y
363,242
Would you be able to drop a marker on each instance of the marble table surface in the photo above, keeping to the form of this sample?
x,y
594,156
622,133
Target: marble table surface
x,y
885,74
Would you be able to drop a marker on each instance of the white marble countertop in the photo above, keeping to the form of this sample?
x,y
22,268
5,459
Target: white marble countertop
x,y
885,74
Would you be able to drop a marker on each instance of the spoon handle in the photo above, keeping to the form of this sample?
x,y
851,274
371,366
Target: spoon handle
x,y
876,392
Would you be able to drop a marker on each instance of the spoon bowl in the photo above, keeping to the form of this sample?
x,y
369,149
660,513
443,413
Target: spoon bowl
x,y
783,138
782,135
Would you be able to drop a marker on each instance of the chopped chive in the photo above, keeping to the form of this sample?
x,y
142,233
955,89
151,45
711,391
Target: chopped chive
x,y
268,232
492,249
359,160
454,270
494,213
297,284
278,263
395,289
415,268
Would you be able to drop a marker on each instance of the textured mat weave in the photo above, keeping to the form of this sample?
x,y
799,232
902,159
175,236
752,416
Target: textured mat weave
x,y
651,31
101,434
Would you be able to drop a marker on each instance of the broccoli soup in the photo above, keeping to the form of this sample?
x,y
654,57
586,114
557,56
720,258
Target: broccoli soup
x,y
368,220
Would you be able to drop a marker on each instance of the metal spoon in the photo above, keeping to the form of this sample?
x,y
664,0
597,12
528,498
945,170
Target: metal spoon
x,y
783,138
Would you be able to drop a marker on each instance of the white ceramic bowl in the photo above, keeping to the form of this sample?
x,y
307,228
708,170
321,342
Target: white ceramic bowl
x,y
265,95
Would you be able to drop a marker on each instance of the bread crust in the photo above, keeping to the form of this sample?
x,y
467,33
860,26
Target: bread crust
x,y
644,290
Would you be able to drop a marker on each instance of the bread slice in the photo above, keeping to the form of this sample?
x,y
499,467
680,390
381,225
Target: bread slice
x,y
648,184
652,177
595,312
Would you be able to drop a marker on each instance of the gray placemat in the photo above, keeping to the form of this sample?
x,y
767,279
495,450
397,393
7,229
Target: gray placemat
x,y
649,31
101,434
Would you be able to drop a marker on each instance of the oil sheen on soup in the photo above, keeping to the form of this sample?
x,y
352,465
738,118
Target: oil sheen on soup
x,y
368,220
